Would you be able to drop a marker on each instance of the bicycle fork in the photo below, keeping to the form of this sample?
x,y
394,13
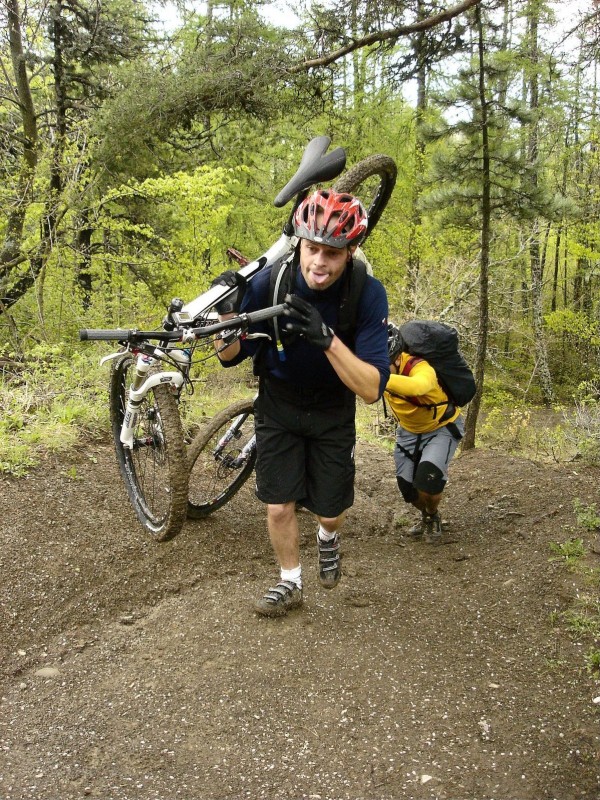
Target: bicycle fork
x,y
141,384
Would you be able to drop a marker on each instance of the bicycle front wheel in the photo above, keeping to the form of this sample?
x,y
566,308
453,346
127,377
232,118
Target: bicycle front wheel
x,y
155,470
221,459
372,180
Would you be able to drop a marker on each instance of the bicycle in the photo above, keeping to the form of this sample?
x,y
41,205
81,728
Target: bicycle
x,y
223,454
145,421
144,413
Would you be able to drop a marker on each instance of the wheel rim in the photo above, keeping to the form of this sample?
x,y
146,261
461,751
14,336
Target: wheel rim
x,y
214,478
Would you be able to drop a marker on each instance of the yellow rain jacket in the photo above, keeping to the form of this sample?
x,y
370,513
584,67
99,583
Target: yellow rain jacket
x,y
421,384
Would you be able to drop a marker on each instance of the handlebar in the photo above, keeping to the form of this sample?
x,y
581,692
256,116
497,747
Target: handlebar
x,y
242,321
124,335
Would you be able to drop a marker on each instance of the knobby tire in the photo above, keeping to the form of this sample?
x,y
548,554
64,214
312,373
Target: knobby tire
x,y
155,471
372,180
213,482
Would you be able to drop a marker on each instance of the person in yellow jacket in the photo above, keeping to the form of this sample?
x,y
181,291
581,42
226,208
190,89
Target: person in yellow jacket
x,y
429,430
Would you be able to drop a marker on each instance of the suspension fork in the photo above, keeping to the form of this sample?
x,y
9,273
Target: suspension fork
x,y
141,384
245,453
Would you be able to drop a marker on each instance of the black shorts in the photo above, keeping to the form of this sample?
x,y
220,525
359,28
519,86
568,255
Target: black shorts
x,y
305,447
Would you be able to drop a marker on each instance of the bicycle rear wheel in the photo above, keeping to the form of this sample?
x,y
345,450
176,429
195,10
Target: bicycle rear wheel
x,y
218,469
155,470
372,180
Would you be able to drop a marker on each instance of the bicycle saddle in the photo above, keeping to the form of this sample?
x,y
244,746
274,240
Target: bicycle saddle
x,y
315,167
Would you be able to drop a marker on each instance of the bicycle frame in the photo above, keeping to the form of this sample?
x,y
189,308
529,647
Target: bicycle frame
x,y
233,432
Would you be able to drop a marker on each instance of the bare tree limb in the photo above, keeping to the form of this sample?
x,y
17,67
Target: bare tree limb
x,y
382,36
9,83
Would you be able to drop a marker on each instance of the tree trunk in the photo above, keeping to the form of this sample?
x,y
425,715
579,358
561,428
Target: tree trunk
x,y
535,261
486,212
358,73
556,268
84,248
10,254
559,231
414,254
51,215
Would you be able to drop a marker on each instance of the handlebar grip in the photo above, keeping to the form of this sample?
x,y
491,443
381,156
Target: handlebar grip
x,y
131,335
98,334
266,313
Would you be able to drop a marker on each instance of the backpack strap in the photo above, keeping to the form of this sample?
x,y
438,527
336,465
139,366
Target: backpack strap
x,y
355,278
415,456
453,428
412,361
406,370
279,285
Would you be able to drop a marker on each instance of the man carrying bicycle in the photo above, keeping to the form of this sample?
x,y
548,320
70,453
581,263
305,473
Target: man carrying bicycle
x,y
309,378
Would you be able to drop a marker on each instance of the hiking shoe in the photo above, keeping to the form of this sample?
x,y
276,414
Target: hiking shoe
x,y
330,567
418,529
279,600
432,529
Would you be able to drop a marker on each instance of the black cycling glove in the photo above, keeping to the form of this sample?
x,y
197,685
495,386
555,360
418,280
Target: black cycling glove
x,y
233,280
305,320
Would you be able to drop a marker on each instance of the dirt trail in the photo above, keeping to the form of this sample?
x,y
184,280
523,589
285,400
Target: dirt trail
x,y
136,670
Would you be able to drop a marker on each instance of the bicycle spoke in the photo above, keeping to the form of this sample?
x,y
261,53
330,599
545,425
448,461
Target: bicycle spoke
x,y
221,459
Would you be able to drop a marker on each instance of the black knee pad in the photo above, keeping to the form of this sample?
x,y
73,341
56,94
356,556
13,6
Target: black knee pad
x,y
429,478
407,490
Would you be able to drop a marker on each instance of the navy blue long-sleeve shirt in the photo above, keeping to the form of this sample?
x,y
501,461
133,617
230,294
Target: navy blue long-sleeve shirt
x,y
304,364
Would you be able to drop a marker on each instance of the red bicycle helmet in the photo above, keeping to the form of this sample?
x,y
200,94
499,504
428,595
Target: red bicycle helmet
x,y
331,218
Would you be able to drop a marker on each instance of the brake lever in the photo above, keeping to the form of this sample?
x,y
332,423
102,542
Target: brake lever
x,y
229,337
112,356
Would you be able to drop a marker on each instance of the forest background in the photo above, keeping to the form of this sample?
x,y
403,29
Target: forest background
x,y
133,154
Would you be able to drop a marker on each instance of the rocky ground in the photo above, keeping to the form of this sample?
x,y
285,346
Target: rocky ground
x,y
132,669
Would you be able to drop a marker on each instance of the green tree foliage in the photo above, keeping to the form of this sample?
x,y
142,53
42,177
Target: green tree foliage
x,y
132,160
217,72
169,235
61,54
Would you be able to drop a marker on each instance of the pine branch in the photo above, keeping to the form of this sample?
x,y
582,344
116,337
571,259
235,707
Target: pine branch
x,y
382,36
